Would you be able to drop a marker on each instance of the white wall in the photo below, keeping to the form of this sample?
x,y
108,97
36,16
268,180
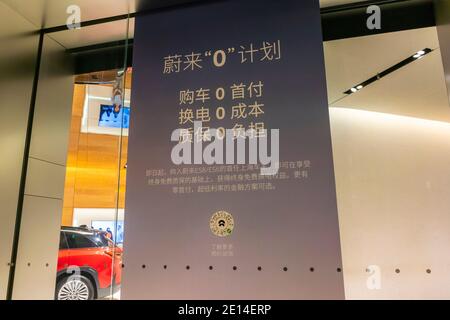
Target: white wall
x,y
393,186
85,216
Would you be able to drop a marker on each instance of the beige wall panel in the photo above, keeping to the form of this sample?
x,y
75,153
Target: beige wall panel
x,y
17,64
38,246
393,182
53,105
45,179
41,218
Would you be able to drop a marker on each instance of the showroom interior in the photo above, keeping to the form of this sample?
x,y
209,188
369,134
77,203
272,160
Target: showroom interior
x,y
66,142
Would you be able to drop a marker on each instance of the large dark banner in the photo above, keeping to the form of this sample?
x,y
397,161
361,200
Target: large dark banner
x,y
206,218
442,10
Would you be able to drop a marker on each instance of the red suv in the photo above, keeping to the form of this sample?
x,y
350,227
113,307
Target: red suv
x,y
89,265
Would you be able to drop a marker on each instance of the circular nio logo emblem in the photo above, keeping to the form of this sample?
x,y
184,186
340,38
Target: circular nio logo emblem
x,y
221,224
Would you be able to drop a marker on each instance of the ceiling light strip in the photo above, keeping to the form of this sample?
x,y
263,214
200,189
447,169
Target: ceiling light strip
x,y
418,55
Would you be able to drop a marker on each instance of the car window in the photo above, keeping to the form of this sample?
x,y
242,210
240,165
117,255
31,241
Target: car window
x,y
77,240
100,240
62,241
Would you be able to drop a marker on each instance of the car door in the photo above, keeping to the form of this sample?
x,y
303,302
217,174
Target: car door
x,y
63,253
88,253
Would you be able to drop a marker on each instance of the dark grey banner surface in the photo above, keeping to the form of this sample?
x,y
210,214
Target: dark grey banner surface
x,y
442,8
253,225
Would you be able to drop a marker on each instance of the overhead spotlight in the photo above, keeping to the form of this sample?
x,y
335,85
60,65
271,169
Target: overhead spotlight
x,y
418,55
355,89
421,53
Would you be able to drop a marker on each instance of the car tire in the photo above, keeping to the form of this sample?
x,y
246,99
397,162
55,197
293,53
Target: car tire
x,y
75,287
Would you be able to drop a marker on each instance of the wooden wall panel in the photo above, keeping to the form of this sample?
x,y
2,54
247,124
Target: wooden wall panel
x,y
92,166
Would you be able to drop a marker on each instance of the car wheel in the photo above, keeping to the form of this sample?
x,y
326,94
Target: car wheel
x,y
74,288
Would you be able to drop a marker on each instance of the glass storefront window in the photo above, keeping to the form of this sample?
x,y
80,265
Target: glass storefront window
x,y
94,199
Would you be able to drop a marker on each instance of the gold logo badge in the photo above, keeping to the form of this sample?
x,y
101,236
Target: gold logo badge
x,y
221,224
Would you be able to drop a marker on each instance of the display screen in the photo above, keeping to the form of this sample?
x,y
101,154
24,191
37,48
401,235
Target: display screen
x,y
111,118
